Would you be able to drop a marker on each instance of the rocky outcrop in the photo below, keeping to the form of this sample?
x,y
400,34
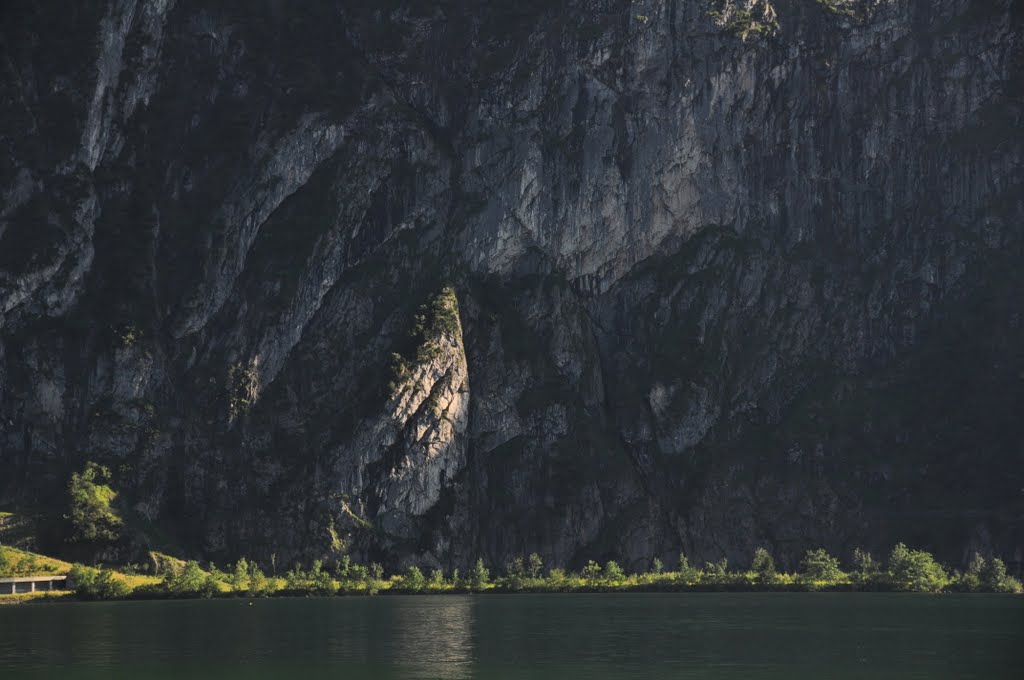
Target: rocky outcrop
x,y
721,274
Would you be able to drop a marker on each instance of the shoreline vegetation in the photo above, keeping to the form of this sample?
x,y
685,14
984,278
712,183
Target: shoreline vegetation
x,y
905,570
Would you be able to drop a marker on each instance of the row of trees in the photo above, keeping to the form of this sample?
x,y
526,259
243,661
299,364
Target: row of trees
x,y
904,570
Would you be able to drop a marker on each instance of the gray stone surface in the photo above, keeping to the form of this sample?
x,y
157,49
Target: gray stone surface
x,y
730,273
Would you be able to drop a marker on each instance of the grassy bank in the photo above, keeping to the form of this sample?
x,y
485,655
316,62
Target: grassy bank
x,y
905,570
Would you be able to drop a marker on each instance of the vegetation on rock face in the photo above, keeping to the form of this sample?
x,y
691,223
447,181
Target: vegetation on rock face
x,y
843,7
432,323
243,388
92,516
745,18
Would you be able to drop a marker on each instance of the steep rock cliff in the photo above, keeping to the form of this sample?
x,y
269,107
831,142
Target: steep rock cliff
x,y
724,273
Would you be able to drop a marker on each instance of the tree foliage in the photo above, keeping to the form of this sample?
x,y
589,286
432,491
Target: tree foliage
x,y
818,565
536,566
92,516
613,572
479,576
763,565
413,579
239,578
97,584
915,570
591,572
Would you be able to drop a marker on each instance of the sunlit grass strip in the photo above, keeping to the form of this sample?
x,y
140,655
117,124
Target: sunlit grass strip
x,y
906,570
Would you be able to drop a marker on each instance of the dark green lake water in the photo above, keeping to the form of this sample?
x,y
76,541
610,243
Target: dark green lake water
x,y
690,635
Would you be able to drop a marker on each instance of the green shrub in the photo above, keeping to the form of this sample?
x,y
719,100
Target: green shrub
x,y
258,583
915,570
591,572
613,572
995,578
515,574
190,581
865,569
717,572
687,574
97,584
323,584
413,579
971,580
818,566
89,498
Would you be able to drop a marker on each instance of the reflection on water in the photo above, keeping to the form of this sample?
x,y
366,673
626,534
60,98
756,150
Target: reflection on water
x,y
433,638
599,637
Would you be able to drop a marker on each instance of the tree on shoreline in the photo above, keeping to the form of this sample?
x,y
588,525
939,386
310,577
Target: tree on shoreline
x,y
479,577
763,565
819,566
909,570
915,570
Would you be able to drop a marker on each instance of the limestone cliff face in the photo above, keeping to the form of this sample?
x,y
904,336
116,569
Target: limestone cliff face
x,y
723,273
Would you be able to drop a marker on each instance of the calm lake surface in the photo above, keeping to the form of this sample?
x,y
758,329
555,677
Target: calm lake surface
x,y
688,635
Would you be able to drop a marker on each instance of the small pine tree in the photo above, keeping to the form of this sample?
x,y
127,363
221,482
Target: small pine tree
x,y
995,578
591,572
763,565
516,568
716,572
479,577
258,583
687,573
613,572
657,566
515,573
210,586
239,579
972,579
865,568
344,567
818,566
413,579
321,581
536,566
